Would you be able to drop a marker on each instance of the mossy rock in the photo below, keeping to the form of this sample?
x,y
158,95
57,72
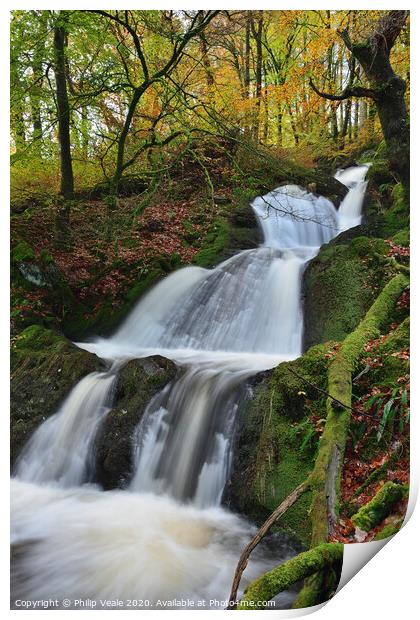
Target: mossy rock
x,y
138,381
45,366
392,525
379,173
339,286
22,252
268,458
77,327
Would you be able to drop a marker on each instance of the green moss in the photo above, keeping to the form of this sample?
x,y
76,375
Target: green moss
x,y
45,366
390,529
368,246
397,216
37,338
379,173
325,478
22,252
284,576
214,244
45,257
271,462
375,511
340,284
391,366
402,237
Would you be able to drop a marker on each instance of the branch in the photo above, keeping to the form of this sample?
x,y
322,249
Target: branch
x,y
243,560
389,27
354,91
339,403
136,40
290,572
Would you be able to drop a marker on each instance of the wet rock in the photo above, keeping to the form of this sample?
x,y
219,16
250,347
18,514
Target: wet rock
x,y
275,442
44,368
138,381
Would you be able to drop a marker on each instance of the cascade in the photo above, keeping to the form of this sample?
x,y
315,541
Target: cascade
x,y
167,535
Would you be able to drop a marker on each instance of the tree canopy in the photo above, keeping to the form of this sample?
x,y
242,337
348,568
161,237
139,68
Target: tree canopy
x,y
136,88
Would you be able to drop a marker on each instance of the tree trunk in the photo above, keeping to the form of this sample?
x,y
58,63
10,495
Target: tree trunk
x,y
257,31
37,79
387,89
279,125
66,167
18,126
374,57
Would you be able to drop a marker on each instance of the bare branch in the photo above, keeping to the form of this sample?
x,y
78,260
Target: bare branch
x,y
243,560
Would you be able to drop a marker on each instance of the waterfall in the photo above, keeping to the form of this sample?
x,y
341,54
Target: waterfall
x,y
60,450
350,211
167,535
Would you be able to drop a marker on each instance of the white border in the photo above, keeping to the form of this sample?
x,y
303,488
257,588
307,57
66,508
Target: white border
x,y
387,587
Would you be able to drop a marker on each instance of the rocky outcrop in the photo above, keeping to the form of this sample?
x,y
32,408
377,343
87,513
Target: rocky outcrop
x,y
44,368
340,284
137,382
276,441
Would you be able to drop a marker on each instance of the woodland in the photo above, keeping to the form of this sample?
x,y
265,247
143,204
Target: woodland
x,y
138,140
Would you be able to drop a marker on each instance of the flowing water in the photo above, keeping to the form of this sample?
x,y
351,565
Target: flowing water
x,y
166,536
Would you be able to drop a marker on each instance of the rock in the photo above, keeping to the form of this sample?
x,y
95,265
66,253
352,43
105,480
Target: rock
x,y
275,442
154,226
45,366
221,200
339,286
138,381
327,186
39,274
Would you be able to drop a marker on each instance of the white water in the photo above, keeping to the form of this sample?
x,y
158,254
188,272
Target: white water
x,y
60,450
168,536
350,212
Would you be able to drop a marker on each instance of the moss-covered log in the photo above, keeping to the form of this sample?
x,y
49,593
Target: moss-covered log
x,y
325,477
284,576
374,512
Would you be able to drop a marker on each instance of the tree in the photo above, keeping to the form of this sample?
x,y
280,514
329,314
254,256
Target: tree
x,y
63,108
386,88
148,78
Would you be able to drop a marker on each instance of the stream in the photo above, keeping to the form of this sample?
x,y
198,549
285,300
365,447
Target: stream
x,y
166,538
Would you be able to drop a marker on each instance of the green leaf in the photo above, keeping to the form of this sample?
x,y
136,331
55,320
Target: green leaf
x,y
385,417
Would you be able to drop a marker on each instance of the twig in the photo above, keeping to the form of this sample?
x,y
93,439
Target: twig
x,y
243,560
335,400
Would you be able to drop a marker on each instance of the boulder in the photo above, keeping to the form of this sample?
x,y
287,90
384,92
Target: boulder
x,y
340,284
137,382
276,442
44,367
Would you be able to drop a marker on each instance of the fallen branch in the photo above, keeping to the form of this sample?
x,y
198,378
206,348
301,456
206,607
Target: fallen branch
x,y
286,575
380,506
243,560
326,475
